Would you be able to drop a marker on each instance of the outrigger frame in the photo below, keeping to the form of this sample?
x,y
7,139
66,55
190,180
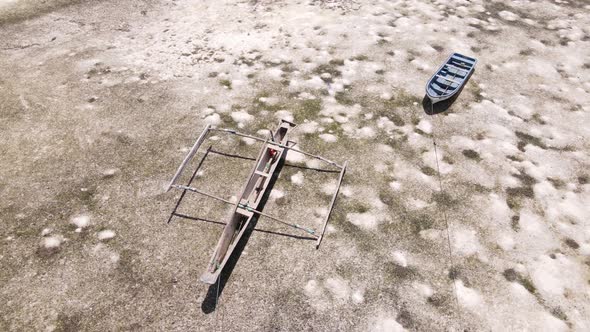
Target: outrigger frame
x,y
275,147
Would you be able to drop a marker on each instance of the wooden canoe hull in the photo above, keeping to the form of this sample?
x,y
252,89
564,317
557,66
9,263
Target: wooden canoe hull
x,y
249,200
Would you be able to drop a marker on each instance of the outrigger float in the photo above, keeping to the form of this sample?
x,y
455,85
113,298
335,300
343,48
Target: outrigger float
x,y
248,205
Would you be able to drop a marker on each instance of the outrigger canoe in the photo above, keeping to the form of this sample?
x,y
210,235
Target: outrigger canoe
x,y
249,203
450,77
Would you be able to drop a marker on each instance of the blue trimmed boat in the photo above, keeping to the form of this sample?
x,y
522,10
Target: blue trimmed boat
x,y
450,77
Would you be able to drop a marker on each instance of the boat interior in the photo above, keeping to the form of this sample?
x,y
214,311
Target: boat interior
x,y
450,76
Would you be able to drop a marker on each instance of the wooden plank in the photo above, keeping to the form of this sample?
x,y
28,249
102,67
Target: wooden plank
x,y
319,241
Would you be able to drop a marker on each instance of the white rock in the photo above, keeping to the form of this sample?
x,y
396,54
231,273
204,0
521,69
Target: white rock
x,y
395,185
424,289
269,100
328,138
430,234
506,242
213,119
366,221
380,167
51,242
208,111
400,259
338,287
241,117
416,204
508,16
386,324
313,163
465,242
313,289
468,297
308,127
81,221
110,172
248,140
358,297
106,234
366,132
425,126
276,194
114,257
284,115
297,178
347,191
295,157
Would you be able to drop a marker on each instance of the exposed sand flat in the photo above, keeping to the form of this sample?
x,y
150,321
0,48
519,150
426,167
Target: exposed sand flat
x,y
101,100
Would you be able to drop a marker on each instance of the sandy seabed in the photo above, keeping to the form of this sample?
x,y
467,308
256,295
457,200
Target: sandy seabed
x,y
101,100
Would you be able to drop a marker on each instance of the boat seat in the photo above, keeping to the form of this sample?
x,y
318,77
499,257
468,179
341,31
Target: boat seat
x,y
448,79
445,72
445,85
460,64
262,173
456,68
456,72
461,57
439,90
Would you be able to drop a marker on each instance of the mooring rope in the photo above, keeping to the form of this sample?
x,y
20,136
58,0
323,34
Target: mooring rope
x,y
442,191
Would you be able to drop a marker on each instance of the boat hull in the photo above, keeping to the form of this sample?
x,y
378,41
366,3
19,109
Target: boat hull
x,y
450,78
249,201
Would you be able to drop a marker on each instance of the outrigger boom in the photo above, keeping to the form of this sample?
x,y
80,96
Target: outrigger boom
x,y
248,205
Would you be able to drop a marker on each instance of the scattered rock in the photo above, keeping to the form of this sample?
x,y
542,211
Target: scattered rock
x,y
51,242
213,119
81,221
297,179
106,234
241,117
366,220
329,138
508,16
425,126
